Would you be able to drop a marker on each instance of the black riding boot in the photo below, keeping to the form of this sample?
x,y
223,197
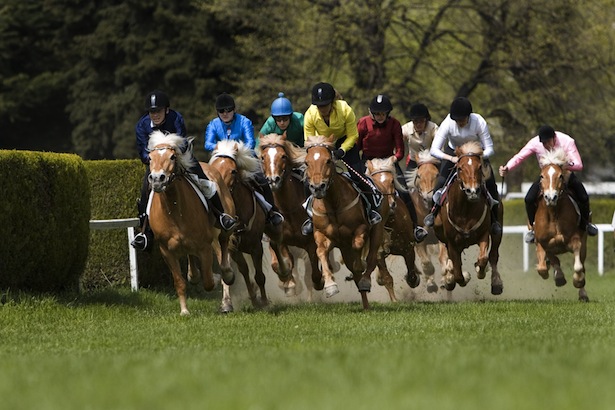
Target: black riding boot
x,y
274,217
419,232
145,238
227,222
591,229
307,227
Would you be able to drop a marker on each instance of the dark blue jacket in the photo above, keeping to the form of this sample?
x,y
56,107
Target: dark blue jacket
x,y
173,124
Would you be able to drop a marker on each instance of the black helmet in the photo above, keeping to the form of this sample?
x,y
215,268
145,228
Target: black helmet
x,y
380,103
419,111
156,99
460,108
224,101
322,94
545,133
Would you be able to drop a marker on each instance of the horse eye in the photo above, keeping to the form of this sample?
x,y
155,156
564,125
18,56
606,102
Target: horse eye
x,y
173,157
234,172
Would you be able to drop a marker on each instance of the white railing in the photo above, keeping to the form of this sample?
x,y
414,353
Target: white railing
x,y
129,224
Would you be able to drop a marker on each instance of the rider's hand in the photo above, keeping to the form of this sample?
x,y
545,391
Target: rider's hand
x,y
339,153
454,160
503,171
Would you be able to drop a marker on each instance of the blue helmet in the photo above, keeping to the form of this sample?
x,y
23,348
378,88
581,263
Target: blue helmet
x,y
281,106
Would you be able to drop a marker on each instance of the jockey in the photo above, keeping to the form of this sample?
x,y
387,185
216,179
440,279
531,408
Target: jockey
x,y
284,119
329,115
232,125
419,132
160,117
462,125
380,136
547,139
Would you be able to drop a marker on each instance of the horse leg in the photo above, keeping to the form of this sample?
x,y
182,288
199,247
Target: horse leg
x,y
224,258
193,271
259,275
461,278
285,268
481,262
426,266
578,280
317,278
323,247
558,273
226,305
240,260
204,264
178,279
541,265
412,275
385,279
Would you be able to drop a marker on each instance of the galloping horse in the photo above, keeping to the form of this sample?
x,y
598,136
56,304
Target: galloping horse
x,y
465,220
422,194
181,224
557,228
279,157
339,219
398,226
237,165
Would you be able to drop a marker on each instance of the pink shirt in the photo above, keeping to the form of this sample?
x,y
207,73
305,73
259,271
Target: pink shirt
x,y
534,146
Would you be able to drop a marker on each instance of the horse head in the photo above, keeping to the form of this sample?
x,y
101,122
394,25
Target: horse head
x,y
470,169
278,157
553,169
426,174
319,164
383,173
235,161
169,155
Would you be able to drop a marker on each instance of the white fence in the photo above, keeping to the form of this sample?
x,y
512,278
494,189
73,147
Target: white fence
x,y
130,223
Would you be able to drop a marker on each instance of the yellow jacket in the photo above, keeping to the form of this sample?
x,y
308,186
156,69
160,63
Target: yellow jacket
x,y
342,122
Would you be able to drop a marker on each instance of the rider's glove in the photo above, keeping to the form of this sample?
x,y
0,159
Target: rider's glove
x,y
339,153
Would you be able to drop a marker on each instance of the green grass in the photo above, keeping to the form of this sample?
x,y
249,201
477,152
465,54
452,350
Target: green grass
x,y
122,350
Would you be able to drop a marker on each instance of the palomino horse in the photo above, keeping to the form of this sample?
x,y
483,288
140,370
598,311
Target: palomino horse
x,y
422,194
557,228
398,226
279,158
181,224
465,220
237,165
339,219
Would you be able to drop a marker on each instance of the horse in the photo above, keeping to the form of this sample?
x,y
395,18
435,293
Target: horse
x,y
181,223
237,165
421,195
465,220
398,225
556,228
280,158
339,219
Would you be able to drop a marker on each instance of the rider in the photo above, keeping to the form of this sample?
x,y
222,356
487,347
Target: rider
x,y
548,139
160,117
380,136
284,119
419,132
232,125
329,115
461,126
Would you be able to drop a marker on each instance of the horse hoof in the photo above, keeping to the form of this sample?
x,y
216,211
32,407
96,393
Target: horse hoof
x,y
497,289
560,281
290,291
544,274
184,313
583,295
331,290
349,278
432,288
414,280
449,286
226,309
364,285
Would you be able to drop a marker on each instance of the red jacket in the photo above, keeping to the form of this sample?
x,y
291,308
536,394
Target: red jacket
x,y
380,140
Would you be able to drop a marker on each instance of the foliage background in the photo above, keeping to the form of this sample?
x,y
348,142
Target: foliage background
x,y
73,73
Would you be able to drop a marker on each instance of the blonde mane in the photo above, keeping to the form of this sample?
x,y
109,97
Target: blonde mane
x,y
247,164
319,140
556,156
425,157
386,165
295,153
160,140
471,147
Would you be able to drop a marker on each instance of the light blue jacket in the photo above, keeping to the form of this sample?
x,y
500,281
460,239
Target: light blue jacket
x,y
240,129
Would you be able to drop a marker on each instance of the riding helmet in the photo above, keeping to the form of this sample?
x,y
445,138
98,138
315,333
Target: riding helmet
x,y
224,101
322,94
281,106
460,108
156,99
545,133
380,103
419,110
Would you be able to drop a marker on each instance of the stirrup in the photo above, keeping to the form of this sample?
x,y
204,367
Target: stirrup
x,y
275,218
307,227
429,219
141,242
437,196
592,230
228,222
529,237
374,217
496,228
420,233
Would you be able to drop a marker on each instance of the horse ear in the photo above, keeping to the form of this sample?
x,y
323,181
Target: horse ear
x,y
190,144
331,138
369,165
283,136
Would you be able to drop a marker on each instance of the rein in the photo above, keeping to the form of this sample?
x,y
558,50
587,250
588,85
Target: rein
x,y
462,231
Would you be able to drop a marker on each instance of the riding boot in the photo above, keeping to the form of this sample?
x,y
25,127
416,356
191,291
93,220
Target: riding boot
x,y
592,230
419,232
496,226
437,203
144,240
530,209
373,215
227,222
274,217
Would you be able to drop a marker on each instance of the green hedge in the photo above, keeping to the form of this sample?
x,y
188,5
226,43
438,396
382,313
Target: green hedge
x,y
602,211
44,220
114,187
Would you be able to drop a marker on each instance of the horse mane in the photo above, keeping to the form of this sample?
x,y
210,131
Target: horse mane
x,y
247,164
295,153
556,156
387,165
471,147
185,159
319,140
425,157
